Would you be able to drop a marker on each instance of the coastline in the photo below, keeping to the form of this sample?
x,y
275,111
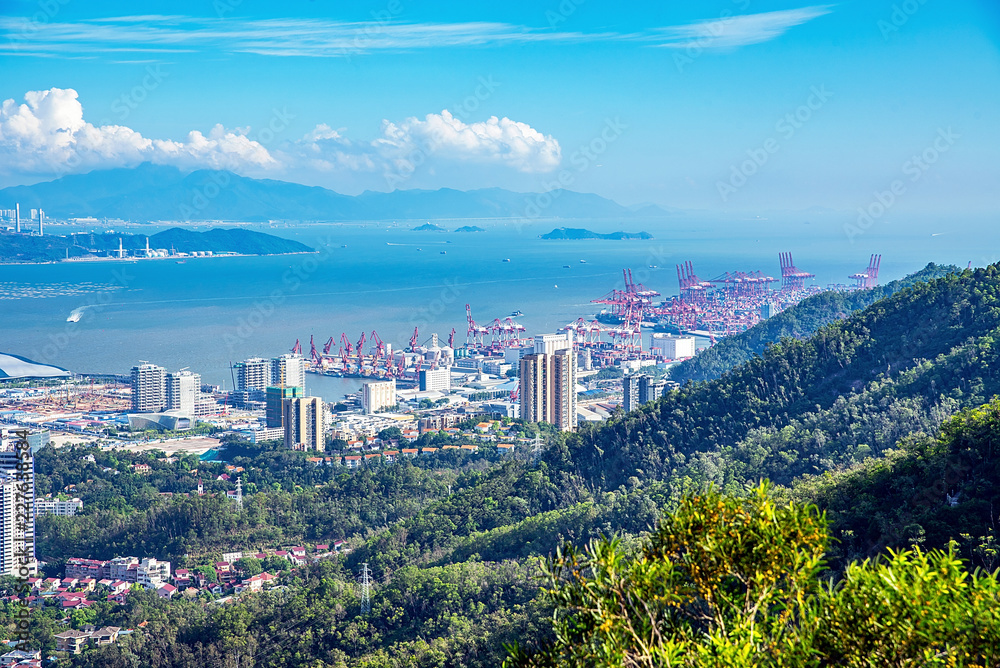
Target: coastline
x,y
128,260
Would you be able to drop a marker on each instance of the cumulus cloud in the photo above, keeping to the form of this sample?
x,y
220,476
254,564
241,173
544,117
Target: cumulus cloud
x,y
47,134
401,148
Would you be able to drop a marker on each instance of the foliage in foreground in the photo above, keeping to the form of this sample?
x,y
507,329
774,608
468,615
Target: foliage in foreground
x,y
726,581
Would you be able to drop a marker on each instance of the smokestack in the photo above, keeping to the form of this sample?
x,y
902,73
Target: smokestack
x,y
17,218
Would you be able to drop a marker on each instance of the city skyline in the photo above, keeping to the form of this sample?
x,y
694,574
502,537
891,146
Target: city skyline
x,y
720,106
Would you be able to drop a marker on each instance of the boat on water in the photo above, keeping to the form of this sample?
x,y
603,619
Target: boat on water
x,y
181,261
515,314
444,252
583,262
566,266
75,315
506,259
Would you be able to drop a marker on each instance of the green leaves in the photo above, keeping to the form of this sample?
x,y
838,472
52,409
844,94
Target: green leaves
x,y
727,581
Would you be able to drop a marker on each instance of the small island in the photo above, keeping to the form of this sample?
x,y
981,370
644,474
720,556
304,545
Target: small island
x,y
470,228
576,233
429,227
175,242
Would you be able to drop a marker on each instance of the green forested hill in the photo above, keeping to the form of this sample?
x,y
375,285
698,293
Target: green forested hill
x,y
799,322
852,390
928,491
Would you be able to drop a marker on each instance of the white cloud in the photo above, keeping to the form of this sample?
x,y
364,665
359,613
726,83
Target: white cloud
x,y
734,31
48,135
322,38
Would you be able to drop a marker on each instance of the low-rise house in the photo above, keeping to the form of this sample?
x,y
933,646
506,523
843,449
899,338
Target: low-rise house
x,y
505,448
106,635
141,469
71,641
166,591
390,455
21,658
470,448
410,452
428,451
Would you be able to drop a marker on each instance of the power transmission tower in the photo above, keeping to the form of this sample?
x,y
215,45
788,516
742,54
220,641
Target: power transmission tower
x,y
366,581
239,494
536,449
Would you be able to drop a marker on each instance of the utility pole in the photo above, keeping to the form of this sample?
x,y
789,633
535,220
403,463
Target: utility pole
x,y
365,579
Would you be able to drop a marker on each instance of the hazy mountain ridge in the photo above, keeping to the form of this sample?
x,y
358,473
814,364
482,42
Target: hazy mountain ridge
x,y
156,192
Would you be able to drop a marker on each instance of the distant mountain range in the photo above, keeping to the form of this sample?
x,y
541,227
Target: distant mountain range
x,y
160,193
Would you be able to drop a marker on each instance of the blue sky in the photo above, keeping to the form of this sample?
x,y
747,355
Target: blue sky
x,y
731,106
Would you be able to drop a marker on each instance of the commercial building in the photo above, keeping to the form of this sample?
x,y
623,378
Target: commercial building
x,y
183,391
650,390
149,388
303,418
288,370
630,392
548,382
253,375
17,526
672,347
435,380
378,395
276,396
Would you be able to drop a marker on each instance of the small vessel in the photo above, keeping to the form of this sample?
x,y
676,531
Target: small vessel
x,y
444,252
583,262
566,266
75,315
506,259
180,261
344,246
653,266
515,314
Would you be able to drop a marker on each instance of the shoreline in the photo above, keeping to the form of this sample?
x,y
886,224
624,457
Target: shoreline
x,y
129,260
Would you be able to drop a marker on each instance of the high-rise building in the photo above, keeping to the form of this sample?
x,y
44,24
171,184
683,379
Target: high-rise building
x,y
17,218
149,388
630,392
17,515
183,390
253,375
548,382
274,404
435,380
288,370
377,395
650,390
303,418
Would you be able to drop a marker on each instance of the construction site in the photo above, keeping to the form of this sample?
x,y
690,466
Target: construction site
x,y
711,309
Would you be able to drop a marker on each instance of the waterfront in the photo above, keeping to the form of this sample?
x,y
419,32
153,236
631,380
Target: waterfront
x,y
206,313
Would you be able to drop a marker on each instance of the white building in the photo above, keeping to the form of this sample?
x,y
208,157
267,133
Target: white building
x,y
253,374
17,527
289,370
183,392
378,395
57,507
672,347
151,573
149,388
438,380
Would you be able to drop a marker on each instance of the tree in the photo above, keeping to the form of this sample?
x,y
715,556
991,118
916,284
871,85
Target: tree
x,y
210,573
390,434
249,566
728,581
